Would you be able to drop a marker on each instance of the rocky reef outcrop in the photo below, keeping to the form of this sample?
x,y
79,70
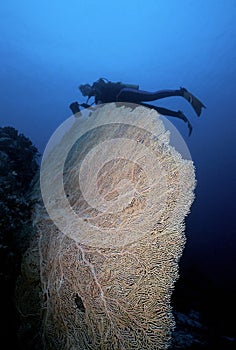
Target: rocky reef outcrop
x,y
18,166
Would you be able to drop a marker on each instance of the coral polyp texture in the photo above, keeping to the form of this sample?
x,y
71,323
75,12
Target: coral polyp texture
x,y
109,236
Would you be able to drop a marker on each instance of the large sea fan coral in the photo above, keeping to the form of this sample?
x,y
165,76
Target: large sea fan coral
x,y
106,279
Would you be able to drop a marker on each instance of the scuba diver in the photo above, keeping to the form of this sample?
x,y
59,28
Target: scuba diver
x,y
105,91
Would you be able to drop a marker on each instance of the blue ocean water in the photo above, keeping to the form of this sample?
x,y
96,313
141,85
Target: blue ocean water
x,y
49,48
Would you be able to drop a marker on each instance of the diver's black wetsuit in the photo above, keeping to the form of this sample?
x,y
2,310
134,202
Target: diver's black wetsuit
x,y
137,96
106,91
140,96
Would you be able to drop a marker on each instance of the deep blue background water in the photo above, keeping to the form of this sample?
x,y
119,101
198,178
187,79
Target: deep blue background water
x,y
49,48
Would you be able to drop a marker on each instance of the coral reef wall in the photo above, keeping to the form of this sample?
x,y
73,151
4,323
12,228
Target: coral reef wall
x,y
18,166
104,280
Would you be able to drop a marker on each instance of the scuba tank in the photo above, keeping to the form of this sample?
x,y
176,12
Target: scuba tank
x,y
131,86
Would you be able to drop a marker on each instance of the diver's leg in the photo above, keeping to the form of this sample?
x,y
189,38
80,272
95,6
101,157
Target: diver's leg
x,y
137,96
169,112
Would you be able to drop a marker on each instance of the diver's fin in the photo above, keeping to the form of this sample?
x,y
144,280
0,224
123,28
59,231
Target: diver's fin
x,y
194,101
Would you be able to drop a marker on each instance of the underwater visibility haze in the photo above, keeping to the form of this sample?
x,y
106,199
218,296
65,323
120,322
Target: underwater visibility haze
x,y
49,48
